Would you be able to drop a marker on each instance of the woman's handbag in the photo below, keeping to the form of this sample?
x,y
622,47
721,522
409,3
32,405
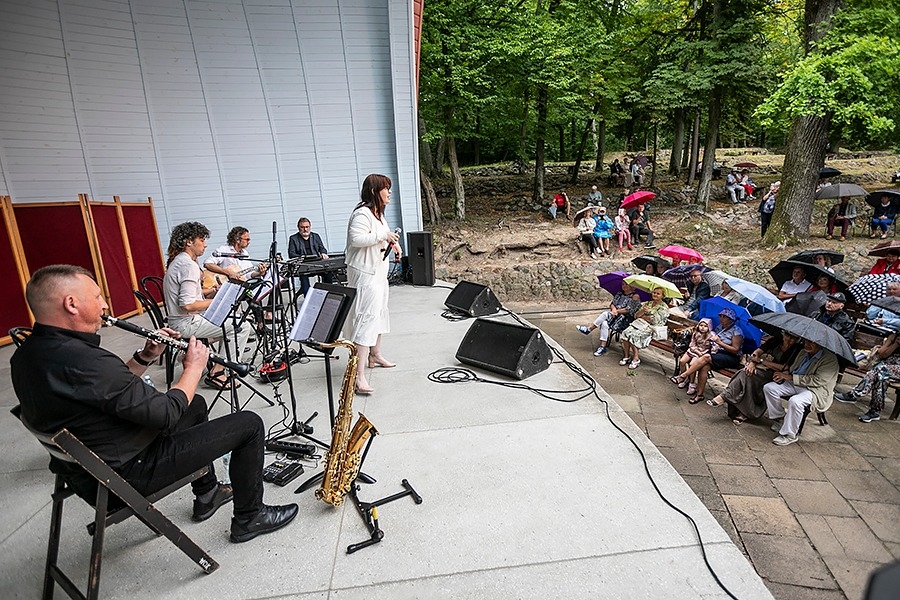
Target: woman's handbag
x,y
659,332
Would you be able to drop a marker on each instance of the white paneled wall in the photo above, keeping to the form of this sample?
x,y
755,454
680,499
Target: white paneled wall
x,y
228,112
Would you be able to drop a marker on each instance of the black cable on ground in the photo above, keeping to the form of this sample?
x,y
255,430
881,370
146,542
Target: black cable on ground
x,y
462,375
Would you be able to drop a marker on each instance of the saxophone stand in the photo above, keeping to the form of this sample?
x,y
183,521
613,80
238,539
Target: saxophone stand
x,y
369,510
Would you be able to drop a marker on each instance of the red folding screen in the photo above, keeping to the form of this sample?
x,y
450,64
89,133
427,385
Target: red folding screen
x,y
15,310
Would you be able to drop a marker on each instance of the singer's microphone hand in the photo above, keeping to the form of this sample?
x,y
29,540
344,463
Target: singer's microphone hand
x,y
393,238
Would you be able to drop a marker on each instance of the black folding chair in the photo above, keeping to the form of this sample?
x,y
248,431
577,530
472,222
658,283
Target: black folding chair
x,y
19,335
156,317
152,286
65,447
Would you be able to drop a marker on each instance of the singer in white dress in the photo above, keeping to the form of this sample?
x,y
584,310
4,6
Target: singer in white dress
x,y
368,240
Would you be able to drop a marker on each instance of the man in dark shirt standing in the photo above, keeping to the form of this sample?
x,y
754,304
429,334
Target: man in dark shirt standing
x,y
64,379
307,243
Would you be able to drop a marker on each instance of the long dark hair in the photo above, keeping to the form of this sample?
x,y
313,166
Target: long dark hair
x,y
370,195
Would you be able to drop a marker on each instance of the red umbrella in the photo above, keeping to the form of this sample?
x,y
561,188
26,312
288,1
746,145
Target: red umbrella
x,y
686,254
746,165
632,200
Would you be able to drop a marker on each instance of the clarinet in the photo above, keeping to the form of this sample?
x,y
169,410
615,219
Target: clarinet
x,y
240,369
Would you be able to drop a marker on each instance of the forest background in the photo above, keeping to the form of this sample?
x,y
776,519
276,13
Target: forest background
x,y
570,80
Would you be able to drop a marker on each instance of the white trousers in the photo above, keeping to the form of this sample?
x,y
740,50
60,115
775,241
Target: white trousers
x,y
798,399
602,323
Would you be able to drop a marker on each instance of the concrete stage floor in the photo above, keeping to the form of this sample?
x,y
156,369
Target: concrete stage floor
x,y
524,496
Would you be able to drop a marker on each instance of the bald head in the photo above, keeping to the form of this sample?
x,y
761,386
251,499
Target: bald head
x,y
65,296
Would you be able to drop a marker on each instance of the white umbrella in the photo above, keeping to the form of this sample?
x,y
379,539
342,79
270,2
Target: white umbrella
x,y
715,278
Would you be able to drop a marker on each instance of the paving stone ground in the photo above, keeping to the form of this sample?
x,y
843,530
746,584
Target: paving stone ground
x,y
814,518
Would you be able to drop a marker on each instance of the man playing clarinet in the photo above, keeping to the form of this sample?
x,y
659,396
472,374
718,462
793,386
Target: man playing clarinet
x,y
64,379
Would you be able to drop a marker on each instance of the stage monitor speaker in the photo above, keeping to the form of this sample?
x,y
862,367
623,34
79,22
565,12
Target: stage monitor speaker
x,y
505,348
420,250
474,299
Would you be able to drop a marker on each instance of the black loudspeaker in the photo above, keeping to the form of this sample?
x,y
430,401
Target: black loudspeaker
x,y
505,348
420,250
474,299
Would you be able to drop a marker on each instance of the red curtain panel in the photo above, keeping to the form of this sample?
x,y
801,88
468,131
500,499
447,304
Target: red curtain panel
x,y
115,261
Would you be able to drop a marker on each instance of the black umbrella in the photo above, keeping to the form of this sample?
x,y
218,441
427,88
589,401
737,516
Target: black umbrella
x,y
806,303
888,303
643,260
808,329
882,249
782,272
839,190
826,172
874,199
809,256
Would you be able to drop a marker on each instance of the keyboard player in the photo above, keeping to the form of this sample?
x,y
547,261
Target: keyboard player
x,y
307,245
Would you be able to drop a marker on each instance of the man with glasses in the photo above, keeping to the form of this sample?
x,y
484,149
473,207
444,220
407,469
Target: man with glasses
x,y
238,240
307,244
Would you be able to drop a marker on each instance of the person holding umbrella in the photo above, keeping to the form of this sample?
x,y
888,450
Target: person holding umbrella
x,y
637,335
620,314
697,290
885,213
640,225
890,263
797,284
882,317
843,213
728,341
809,382
886,359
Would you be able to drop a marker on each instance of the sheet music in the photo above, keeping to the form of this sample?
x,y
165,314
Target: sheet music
x,y
221,303
309,312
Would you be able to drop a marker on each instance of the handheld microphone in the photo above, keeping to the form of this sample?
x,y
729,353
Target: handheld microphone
x,y
387,250
218,254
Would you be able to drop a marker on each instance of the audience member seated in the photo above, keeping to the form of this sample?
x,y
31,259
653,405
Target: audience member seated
x,y
701,345
884,215
732,296
640,225
728,340
889,264
697,290
833,315
603,230
885,318
825,284
747,184
595,198
586,228
637,335
559,204
733,185
637,172
622,229
824,261
809,382
795,285
616,173
744,393
619,316
842,214
885,361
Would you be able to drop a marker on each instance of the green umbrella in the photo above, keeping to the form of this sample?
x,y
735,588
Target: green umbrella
x,y
648,283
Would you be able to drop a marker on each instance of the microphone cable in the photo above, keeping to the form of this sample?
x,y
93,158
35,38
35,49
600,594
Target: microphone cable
x,y
463,375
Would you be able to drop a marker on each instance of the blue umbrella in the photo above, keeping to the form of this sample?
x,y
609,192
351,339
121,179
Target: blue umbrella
x,y
612,283
710,309
756,294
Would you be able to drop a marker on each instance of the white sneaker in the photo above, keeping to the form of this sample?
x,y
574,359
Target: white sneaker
x,y
624,361
594,256
784,440
776,426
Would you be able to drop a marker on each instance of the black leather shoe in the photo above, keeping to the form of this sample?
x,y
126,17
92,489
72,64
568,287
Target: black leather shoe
x,y
204,510
269,519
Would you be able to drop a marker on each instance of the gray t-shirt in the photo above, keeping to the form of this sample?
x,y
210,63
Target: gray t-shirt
x,y
181,286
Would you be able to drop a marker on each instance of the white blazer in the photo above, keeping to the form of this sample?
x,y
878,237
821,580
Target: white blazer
x,y
366,236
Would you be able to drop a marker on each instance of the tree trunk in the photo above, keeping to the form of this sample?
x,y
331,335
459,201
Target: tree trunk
x,y
677,143
540,135
431,202
562,142
601,146
523,133
804,156
458,188
476,143
426,161
439,155
695,150
709,150
579,156
655,150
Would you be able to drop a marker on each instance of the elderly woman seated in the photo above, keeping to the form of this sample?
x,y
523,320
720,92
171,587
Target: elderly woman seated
x,y
744,393
652,313
886,361
885,213
727,341
620,314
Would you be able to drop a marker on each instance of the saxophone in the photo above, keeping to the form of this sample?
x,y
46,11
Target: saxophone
x,y
342,462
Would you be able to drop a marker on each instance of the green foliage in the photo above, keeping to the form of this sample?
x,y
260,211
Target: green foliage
x,y
852,74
